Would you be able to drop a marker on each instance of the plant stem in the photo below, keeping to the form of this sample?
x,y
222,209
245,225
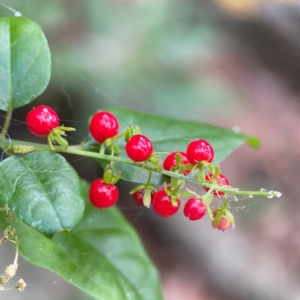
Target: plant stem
x,y
6,124
26,147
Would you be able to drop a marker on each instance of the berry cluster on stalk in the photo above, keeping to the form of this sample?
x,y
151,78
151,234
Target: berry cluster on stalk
x,y
166,201
194,164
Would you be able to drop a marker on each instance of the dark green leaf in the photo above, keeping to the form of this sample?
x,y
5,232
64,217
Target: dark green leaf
x,y
170,135
43,189
25,63
103,256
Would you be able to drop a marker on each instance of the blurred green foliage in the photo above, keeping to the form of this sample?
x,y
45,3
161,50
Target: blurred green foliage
x,y
147,55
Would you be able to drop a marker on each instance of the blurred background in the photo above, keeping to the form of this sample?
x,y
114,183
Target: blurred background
x,y
231,63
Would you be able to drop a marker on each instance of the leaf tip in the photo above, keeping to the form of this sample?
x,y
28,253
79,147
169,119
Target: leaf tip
x,y
253,142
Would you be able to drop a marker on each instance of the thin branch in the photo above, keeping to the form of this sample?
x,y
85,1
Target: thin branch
x,y
6,124
26,147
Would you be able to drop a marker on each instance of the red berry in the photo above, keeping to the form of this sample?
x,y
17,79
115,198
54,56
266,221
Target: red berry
x,y
138,196
139,148
224,222
41,120
162,204
103,195
170,161
194,209
103,125
199,150
221,180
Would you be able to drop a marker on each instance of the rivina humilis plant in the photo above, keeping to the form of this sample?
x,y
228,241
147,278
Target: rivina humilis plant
x,y
59,222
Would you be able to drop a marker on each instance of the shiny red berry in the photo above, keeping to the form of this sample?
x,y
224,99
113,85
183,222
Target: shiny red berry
x,y
170,161
199,150
103,195
162,204
221,180
41,120
194,209
103,125
138,196
139,148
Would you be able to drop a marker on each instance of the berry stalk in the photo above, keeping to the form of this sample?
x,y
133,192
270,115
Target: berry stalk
x,y
17,145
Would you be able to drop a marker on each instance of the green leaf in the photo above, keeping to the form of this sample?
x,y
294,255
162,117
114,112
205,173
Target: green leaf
x,y
170,135
43,189
103,256
25,63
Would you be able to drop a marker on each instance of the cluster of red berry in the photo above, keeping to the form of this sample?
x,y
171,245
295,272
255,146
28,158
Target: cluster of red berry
x,y
103,193
139,148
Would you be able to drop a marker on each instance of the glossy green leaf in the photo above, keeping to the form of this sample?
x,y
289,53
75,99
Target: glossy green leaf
x,y
43,189
103,256
25,64
170,135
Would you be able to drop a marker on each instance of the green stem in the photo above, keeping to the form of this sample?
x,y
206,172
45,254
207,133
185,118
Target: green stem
x,y
6,124
149,179
76,150
119,135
